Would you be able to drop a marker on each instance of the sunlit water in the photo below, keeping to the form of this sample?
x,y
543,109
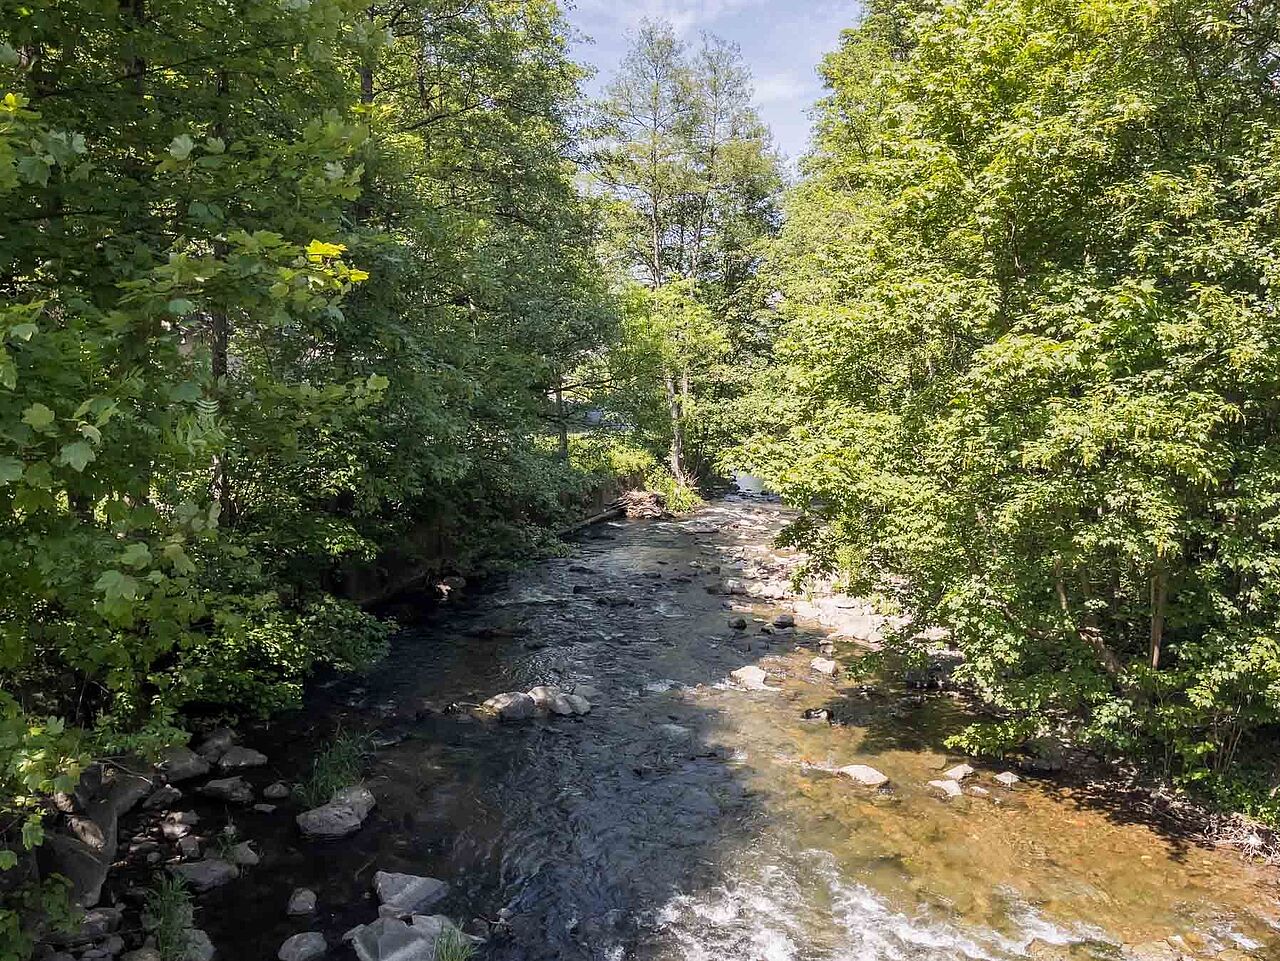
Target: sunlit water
x,y
685,818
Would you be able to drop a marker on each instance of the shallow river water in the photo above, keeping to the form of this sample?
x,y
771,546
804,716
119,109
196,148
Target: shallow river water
x,y
686,818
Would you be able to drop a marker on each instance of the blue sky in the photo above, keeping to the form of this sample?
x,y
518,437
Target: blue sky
x,y
781,41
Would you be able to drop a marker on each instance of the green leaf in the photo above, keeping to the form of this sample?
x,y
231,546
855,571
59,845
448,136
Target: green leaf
x,y
77,455
8,860
188,392
117,585
136,555
38,417
23,332
180,307
181,147
377,382
32,833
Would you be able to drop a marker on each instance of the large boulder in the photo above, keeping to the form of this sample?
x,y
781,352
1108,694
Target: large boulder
x,y
343,815
551,700
864,775
304,947
400,895
513,706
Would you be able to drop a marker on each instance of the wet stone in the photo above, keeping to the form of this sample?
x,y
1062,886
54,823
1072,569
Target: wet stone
x,y
864,775
276,792
182,764
513,706
206,875
401,895
164,796
234,789
343,815
217,744
304,947
301,902
199,947
236,758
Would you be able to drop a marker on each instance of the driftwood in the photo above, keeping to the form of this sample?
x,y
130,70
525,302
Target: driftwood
x,y
615,510
635,504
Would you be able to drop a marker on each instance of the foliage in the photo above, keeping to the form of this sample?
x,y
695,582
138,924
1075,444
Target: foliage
x,y
169,915
1031,358
452,945
340,764
284,289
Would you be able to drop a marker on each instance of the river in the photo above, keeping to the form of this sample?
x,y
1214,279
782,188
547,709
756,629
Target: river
x,y
686,818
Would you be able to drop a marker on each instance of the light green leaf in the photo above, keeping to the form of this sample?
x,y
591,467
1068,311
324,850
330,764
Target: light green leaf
x,y
136,555
180,307
23,332
38,417
181,147
10,470
77,455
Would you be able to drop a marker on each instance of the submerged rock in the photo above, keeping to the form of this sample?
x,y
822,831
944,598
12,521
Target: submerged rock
x,y
948,787
390,939
579,703
401,895
304,947
513,706
738,623
784,620
864,775
751,677
343,815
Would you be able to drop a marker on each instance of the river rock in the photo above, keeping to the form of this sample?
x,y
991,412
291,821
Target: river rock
x,y
552,700
304,947
1007,778
592,694
178,824
738,623
1153,951
579,703
85,868
162,797
958,773
189,847
864,775
784,621
182,764
343,815
216,744
390,939
143,954
947,787
513,706
244,855
276,792
825,666
302,901
236,758
199,947
751,677
234,789
206,875
401,895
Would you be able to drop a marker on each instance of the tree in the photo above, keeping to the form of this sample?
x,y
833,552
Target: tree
x,y
1031,356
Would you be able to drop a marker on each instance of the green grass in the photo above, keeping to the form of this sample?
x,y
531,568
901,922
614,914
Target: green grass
x,y
170,916
339,765
453,946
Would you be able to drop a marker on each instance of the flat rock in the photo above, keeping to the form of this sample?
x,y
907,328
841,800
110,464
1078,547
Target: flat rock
x,y
959,772
513,706
947,787
343,815
824,665
235,758
206,875
401,895
304,947
302,901
1007,778
784,620
864,775
182,764
234,789
751,677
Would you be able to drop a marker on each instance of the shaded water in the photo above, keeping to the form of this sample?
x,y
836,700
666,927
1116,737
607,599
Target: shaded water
x,y
687,819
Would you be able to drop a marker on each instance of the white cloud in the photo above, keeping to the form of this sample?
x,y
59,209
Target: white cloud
x,y
685,16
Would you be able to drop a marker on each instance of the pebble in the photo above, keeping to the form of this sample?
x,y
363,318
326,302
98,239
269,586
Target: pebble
x,y
302,901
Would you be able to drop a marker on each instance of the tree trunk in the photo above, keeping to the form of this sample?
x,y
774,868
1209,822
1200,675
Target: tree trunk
x,y
562,423
677,429
1159,606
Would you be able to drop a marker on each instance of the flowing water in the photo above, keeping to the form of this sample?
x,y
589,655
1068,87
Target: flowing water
x,y
686,818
